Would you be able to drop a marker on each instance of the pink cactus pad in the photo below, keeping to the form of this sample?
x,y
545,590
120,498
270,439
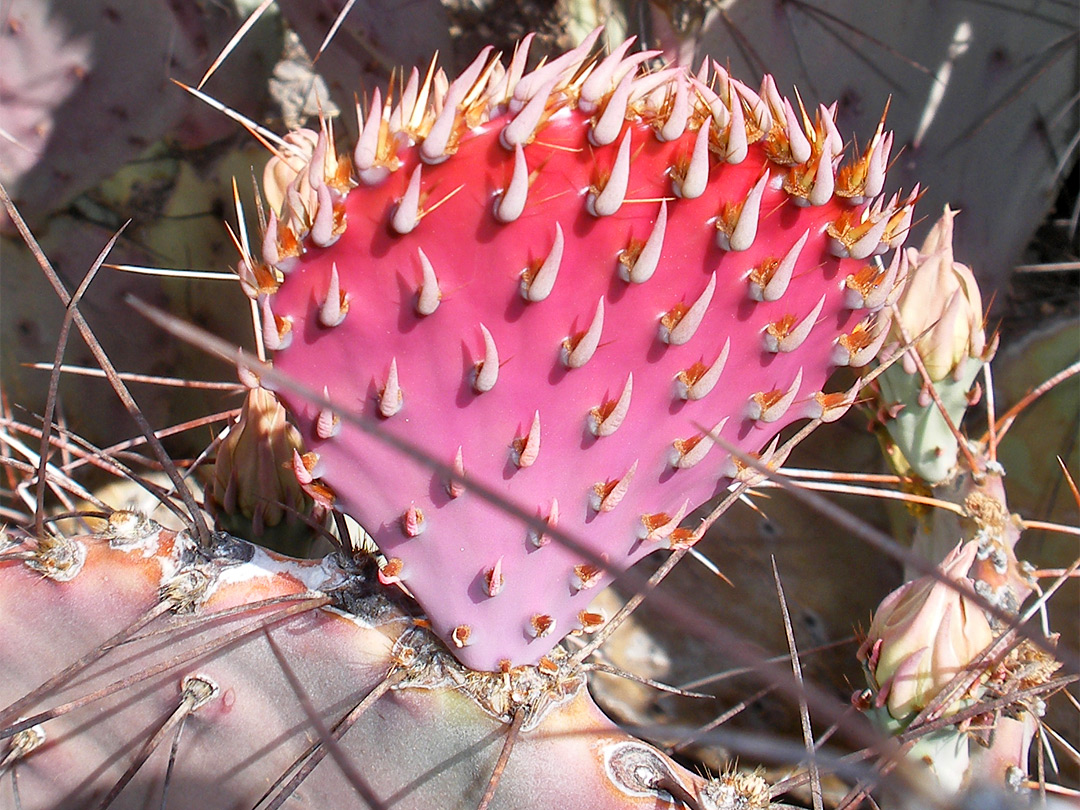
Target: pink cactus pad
x,y
558,284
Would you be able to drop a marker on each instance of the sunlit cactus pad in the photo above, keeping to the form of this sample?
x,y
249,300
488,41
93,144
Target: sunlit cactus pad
x,y
561,285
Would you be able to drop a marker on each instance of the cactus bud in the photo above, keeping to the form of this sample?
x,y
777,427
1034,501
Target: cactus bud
x,y
942,295
923,635
253,477
284,168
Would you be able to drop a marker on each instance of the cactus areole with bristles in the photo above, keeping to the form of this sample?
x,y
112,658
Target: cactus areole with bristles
x,y
562,284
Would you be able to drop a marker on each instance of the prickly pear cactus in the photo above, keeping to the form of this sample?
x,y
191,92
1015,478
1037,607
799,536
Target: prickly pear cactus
x,y
414,728
954,636
565,285
578,293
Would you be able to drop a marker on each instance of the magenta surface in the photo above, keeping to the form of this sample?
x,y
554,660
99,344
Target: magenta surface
x,y
478,262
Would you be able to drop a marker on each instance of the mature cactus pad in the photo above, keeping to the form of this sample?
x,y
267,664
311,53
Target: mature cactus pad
x,y
561,284
114,642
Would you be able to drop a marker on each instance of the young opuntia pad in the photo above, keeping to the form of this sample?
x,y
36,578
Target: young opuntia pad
x,y
561,285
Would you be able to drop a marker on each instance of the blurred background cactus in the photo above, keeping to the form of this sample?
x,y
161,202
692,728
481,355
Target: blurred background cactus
x,y
983,104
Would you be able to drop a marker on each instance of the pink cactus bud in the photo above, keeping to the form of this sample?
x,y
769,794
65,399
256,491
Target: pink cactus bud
x,y
923,635
559,303
942,294
285,167
253,473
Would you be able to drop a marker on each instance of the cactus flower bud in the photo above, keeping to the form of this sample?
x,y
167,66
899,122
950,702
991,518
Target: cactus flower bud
x,y
942,295
923,635
286,166
253,477
307,200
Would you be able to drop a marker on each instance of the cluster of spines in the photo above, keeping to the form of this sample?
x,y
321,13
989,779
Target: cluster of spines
x,y
433,114
312,199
